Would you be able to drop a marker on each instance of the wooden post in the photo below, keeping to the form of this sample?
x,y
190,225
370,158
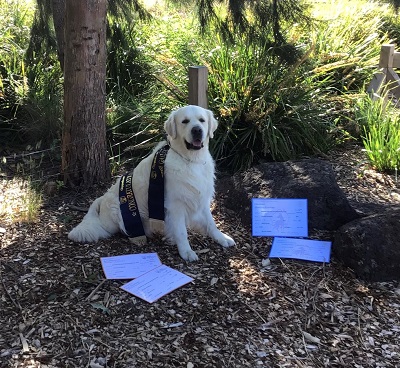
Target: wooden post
x,y
386,56
198,76
375,86
380,79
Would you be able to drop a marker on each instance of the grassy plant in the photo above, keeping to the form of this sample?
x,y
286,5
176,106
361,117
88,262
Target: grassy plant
x,y
19,201
344,48
265,109
381,132
391,27
14,36
139,68
268,110
41,113
128,69
30,102
34,113
133,127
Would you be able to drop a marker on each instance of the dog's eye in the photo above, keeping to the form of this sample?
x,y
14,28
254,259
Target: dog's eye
x,y
201,120
186,121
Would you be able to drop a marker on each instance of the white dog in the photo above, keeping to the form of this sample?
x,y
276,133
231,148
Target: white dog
x,y
189,187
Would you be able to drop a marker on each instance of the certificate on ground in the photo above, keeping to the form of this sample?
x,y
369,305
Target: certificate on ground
x,y
279,217
156,283
129,266
305,249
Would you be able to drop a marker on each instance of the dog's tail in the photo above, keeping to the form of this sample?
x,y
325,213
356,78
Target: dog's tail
x,y
90,229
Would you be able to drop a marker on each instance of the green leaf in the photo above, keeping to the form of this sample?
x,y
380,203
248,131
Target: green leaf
x,y
100,306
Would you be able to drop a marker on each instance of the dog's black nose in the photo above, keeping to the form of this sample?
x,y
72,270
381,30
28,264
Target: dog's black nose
x,y
197,133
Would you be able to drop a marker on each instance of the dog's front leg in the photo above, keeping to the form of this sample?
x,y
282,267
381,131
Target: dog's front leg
x,y
176,232
212,230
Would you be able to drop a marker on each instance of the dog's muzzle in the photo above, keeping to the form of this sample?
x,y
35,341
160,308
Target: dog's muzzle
x,y
197,139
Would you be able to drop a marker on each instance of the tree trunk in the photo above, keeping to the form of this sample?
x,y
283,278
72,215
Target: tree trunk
x,y
84,151
58,7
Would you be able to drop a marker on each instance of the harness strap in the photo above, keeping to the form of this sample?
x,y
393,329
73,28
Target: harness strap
x,y
128,205
129,209
156,185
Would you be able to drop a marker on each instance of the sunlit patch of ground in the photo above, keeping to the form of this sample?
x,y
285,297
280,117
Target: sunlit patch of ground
x,y
18,201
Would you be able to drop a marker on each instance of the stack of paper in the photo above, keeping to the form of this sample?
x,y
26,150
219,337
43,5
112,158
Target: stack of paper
x,y
152,279
286,219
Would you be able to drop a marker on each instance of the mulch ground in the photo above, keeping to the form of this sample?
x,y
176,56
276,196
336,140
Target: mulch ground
x,y
242,310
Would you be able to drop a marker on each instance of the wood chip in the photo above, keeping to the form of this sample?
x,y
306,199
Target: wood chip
x,y
25,346
58,311
311,338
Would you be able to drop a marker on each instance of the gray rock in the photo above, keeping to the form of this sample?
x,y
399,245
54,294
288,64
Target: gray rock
x,y
314,179
371,246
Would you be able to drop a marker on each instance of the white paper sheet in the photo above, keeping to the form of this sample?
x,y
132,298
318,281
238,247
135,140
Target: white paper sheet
x,y
156,283
305,249
129,266
279,217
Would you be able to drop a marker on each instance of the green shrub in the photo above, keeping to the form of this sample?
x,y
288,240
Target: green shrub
x,y
269,110
391,27
30,93
266,110
128,70
344,47
14,38
380,123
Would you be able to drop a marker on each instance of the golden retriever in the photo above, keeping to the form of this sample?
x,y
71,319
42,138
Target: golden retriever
x,y
189,187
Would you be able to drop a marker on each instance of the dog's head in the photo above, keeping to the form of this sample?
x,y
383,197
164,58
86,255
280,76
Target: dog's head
x,y
191,126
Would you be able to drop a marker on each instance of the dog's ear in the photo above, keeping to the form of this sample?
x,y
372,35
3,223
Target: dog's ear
x,y
212,124
170,125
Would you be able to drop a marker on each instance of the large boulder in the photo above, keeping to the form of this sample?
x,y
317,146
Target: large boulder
x,y
370,246
314,179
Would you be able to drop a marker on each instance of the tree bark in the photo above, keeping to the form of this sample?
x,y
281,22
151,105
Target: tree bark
x,y
84,150
58,8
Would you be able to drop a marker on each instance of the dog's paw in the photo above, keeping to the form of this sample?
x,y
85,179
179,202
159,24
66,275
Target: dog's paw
x,y
226,241
82,235
189,255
